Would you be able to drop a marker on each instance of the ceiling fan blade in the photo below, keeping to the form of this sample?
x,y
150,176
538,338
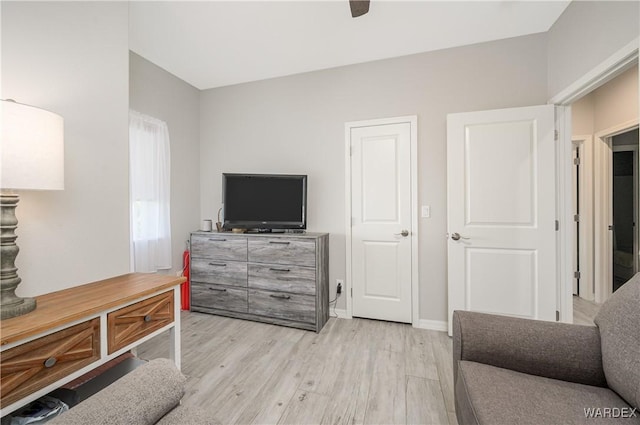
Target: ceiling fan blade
x,y
358,7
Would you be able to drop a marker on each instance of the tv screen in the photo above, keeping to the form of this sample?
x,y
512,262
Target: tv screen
x,y
264,201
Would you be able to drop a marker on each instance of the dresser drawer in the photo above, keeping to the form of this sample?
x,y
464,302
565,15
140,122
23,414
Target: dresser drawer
x,y
131,323
217,296
298,252
36,364
219,271
299,308
218,247
275,277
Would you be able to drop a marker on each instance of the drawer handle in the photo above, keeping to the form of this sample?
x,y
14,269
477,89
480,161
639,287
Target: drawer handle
x,y
147,318
217,289
279,242
218,264
50,362
281,297
217,239
275,269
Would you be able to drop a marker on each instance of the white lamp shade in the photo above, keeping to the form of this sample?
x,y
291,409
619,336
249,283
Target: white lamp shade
x,y
31,149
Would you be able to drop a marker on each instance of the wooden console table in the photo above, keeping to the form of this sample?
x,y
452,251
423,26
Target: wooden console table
x,y
73,331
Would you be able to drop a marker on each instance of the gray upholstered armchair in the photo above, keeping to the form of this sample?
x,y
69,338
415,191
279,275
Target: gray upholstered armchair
x,y
517,371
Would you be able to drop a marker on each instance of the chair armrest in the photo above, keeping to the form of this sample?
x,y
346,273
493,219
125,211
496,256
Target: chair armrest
x,y
550,349
141,397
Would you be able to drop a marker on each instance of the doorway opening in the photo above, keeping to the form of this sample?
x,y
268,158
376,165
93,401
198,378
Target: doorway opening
x,y
624,207
604,122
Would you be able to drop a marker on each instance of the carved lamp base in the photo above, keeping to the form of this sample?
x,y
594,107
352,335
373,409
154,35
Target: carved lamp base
x,y
10,304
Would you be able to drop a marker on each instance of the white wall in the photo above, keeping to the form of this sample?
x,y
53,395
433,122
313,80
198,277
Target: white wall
x,y
617,101
295,124
587,33
610,105
154,91
582,116
72,58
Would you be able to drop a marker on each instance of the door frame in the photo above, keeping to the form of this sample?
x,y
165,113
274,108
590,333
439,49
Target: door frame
x,y
636,198
584,144
603,203
610,68
412,120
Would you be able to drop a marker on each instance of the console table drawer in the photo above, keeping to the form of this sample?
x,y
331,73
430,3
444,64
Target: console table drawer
x,y
218,247
36,364
218,271
218,296
299,308
283,251
131,323
296,279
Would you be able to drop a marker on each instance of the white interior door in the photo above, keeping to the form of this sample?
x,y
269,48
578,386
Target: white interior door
x,y
501,212
381,225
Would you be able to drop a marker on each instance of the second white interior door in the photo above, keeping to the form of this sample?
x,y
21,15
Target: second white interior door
x,y
501,212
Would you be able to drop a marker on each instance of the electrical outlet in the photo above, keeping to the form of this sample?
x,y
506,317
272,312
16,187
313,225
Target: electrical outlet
x,y
339,285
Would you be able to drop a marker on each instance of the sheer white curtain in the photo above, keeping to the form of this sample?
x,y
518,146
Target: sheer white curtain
x,y
150,164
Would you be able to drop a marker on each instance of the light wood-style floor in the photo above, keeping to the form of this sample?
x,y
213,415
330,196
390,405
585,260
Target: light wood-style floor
x,y
353,372
584,311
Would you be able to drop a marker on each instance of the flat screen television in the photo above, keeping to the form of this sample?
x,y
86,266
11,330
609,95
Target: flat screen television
x,y
264,201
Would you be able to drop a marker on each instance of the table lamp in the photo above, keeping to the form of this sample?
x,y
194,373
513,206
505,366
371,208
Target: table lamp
x,y
31,158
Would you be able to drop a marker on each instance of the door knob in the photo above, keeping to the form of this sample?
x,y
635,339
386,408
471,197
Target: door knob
x,y
404,233
456,236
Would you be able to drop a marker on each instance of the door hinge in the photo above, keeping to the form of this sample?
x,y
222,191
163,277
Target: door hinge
x,y
576,218
576,161
557,225
610,227
557,316
576,274
350,150
351,292
555,135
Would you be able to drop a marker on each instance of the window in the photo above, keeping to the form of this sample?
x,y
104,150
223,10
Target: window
x,y
149,177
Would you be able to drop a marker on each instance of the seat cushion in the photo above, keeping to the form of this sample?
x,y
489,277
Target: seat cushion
x,y
491,395
141,397
186,415
619,324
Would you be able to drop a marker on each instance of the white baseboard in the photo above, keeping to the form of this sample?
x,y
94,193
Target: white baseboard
x,y
434,325
341,313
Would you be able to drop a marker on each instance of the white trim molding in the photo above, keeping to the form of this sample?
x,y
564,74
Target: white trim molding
x,y
584,144
342,313
433,325
610,68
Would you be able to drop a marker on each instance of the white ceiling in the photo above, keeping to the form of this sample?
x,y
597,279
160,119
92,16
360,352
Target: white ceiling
x,y
219,43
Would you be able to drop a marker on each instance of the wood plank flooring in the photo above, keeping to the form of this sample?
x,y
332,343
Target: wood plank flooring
x,y
353,372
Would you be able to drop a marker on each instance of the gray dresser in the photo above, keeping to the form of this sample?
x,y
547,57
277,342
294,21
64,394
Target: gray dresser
x,y
274,277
